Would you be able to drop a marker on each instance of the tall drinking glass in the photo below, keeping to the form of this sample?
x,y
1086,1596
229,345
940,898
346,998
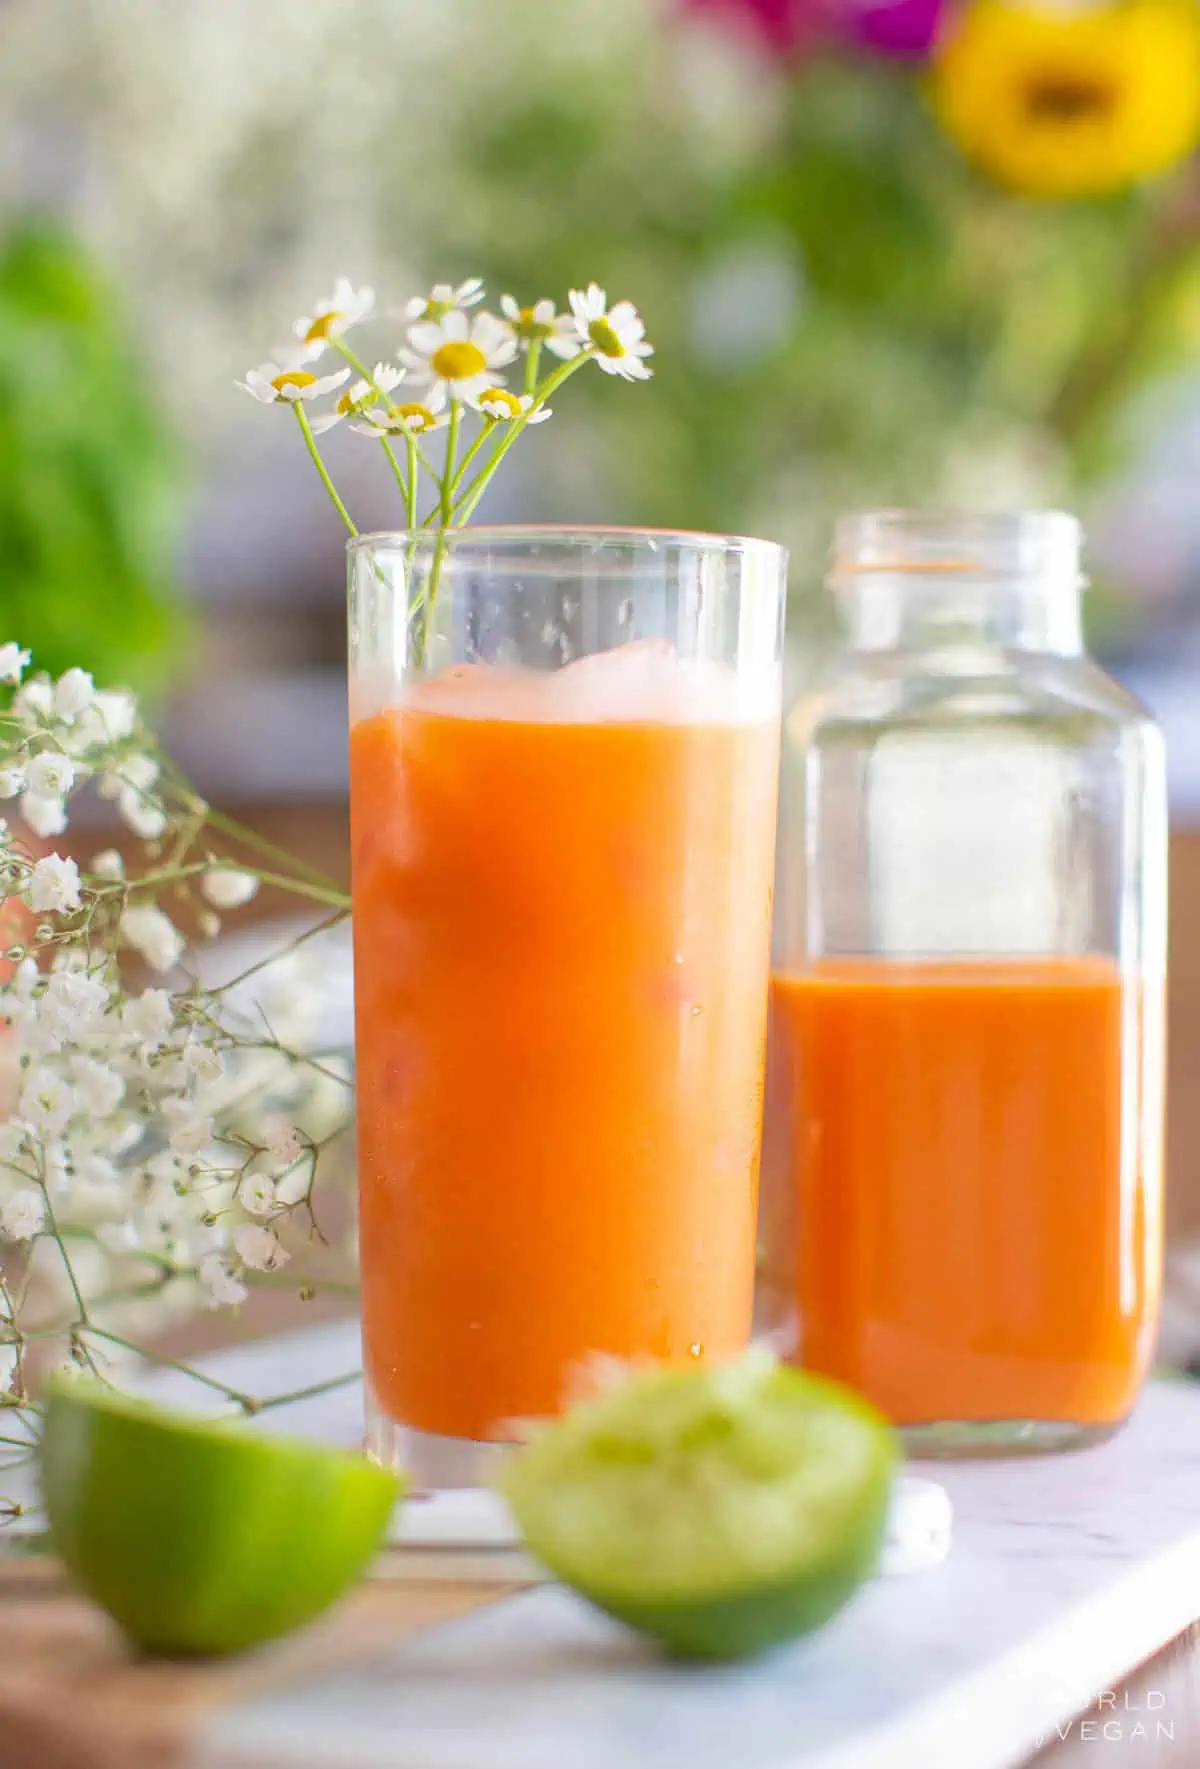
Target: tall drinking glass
x,y
564,754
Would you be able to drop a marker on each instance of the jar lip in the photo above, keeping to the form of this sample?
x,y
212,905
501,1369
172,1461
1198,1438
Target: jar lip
x,y
1029,548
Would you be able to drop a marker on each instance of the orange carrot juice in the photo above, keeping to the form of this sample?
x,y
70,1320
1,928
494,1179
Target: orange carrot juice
x,y
561,944
978,1214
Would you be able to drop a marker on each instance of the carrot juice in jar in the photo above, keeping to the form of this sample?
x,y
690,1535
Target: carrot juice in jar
x,y
965,1178
563,866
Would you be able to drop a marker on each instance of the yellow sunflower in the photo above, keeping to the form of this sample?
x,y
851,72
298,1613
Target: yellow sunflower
x,y
1072,103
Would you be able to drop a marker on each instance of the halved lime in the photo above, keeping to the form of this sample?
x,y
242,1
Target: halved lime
x,y
721,1512
202,1536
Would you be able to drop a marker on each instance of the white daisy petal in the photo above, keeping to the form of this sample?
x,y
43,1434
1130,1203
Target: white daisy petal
x,y
624,314
385,376
326,384
425,338
443,299
346,307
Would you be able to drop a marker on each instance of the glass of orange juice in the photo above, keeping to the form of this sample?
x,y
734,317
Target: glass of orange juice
x,y
563,756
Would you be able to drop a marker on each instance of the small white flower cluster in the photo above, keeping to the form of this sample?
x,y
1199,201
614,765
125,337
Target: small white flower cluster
x,y
59,734
454,356
130,1125
155,1145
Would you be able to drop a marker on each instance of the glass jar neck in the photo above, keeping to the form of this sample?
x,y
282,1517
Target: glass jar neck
x,y
916,581
918,613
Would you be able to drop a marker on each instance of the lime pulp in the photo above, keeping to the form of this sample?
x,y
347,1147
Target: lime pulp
x,y
721,1512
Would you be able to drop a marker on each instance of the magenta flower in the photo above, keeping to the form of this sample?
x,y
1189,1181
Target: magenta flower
x,y
894,27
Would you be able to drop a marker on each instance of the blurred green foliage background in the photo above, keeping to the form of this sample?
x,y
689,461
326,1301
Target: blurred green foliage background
x,y
89,488
848,313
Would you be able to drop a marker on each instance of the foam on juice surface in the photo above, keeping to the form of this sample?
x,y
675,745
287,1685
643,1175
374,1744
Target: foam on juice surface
x,y
644,682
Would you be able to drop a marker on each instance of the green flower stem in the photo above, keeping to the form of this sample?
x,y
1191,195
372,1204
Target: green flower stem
x,y
356,362
311,445
245,1401
551,384
410,503
487,430
57,1237
296,1394
299,887
321,927
531,364
250,838
449,478
397,469
446,505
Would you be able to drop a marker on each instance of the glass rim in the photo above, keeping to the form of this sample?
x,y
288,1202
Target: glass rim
x,y
514,533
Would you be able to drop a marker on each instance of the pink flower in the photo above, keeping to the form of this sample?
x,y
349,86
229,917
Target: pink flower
x,y
785,26
894,27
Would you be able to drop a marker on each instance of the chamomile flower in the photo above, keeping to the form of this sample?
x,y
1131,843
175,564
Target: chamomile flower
x,y
502,407
278,383
540,324
615,335
346,307
444,298
413,419
459,356
355,400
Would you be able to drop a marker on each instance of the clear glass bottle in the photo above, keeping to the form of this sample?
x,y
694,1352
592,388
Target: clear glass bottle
x,y
965,1144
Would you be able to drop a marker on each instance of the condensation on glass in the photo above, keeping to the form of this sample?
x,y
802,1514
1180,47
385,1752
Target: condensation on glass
x,y
963,1211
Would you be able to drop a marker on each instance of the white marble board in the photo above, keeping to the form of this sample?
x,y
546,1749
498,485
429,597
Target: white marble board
x,y
1066,1574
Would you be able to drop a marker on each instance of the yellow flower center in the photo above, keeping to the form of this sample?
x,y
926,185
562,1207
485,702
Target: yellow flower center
x,y
502,405
526,326
1068,99
405,414
318,332
458,361
295,378
347,405
604,338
